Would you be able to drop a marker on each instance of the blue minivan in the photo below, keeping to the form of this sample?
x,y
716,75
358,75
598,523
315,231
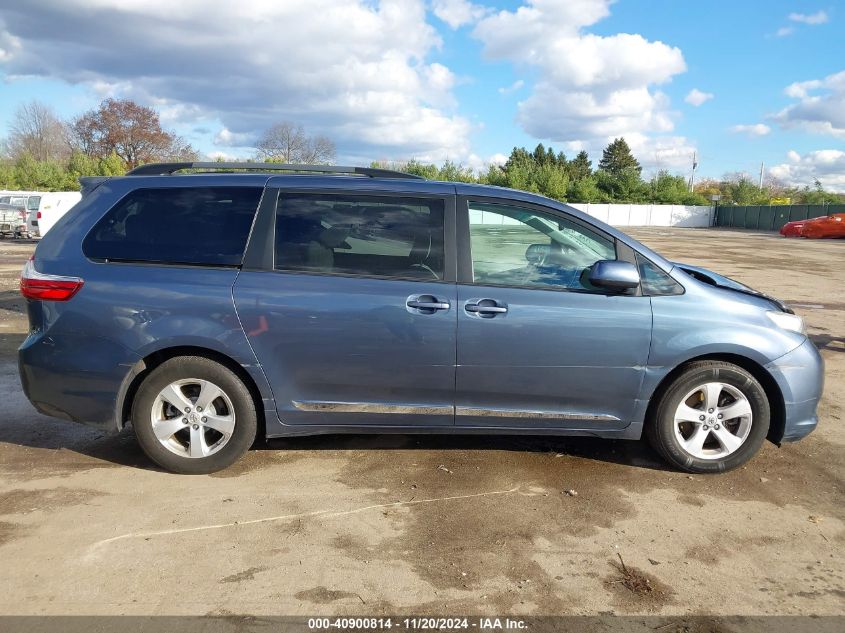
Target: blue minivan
x,y
229,301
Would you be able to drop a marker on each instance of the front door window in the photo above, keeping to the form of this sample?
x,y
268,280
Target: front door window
x,y
515,246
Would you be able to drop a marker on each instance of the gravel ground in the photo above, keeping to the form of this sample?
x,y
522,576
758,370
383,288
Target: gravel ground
x,y
438,525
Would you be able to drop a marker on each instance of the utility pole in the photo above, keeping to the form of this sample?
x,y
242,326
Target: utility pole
x,y
692,175
761,175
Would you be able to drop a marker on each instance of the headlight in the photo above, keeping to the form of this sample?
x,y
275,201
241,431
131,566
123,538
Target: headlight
x,y
786,321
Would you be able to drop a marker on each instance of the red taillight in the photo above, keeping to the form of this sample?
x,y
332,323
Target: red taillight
x,y
39,215
36,285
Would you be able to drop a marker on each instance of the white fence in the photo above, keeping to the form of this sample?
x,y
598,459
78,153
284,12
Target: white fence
x,y
622,215
649,214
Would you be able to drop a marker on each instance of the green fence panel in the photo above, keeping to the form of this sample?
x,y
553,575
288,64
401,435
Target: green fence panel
x,y
752,217
766,218
781,216
771,218
798,212
816,210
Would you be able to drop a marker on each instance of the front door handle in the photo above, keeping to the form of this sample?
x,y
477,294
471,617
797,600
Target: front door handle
x,y
426,304
486,308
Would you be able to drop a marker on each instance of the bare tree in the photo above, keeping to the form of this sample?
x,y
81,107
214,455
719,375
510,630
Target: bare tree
x,y
37,131
321,150
83,134
288,143
180,150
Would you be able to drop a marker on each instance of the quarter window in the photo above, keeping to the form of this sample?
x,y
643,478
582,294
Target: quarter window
x,y
371,236
514,246
185,225
655,282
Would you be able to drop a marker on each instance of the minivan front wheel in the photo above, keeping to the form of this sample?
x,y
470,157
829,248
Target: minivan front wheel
x,y
713,417
192,415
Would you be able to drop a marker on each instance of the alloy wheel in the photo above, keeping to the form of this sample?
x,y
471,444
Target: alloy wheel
x,y
713,420
193,418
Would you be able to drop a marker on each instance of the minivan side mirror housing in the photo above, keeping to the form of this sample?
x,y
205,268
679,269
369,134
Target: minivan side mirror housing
x,y
614,275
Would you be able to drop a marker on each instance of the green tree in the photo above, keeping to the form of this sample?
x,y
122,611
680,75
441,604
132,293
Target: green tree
x,y
111,165
550,180
817,195
455,172
414,167
740,189
580,167
618,161
495,175
7,175
625,187
669,189
585,190
26,171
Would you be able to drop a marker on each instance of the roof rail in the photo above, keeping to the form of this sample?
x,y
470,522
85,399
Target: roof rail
x,y
162,169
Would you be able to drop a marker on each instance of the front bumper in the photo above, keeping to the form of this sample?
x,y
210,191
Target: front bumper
x,y
800,376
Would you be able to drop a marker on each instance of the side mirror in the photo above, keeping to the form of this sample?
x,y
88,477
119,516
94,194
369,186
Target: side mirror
x,y
614,275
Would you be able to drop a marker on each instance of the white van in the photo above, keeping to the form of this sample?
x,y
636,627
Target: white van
x,y
25,199
45,209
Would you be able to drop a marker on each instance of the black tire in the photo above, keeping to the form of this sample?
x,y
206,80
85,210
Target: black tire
x,y
194,367
660,429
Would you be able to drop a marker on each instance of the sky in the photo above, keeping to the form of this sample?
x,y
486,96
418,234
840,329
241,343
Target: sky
x,y
737,82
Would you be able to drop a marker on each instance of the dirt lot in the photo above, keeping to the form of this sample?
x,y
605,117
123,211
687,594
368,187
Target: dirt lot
x,y
398,524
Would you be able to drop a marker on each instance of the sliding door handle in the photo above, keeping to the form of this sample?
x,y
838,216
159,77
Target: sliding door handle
x,y
426,304
486,308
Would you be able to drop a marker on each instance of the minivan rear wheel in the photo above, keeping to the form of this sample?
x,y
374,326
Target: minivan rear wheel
x,y
713,417
192,415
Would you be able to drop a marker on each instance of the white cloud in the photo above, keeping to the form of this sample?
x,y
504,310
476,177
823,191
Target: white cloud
x,y
457,13
480,165
784,31
820,107
498,159
9,45
590,88
354,70
819,17
227,138
518,84
662,152
696,97
825,165
754,129
224,156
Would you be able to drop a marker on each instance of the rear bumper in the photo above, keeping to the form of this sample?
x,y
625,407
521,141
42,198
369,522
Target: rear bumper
x,y
75,377
800,376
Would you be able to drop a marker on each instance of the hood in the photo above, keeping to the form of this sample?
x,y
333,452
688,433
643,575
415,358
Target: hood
x,y
720,281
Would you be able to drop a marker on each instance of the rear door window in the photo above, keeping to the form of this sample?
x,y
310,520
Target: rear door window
x,y
371,236
184,225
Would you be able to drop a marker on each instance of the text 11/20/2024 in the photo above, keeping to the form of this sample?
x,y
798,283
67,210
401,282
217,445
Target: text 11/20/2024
x,y
417,623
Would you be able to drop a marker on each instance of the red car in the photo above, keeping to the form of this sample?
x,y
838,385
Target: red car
x,y
793,229
827,226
